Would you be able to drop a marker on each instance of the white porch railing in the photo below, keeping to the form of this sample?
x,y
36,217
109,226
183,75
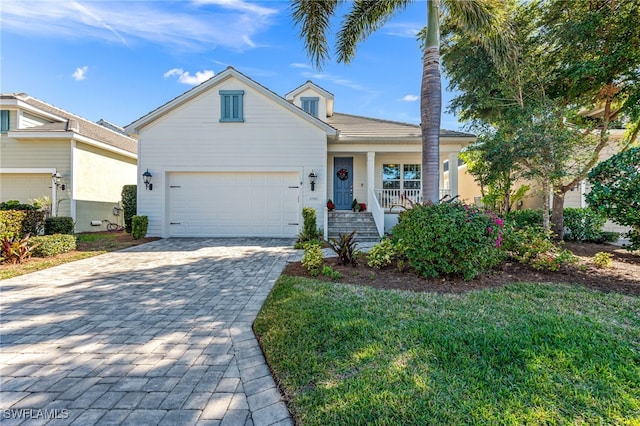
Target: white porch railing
x,y
377,212
395,199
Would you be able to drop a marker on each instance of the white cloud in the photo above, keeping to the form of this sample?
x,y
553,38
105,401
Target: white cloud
x,y
405,30
185,77
300,65
410,98
80,73
228,23
341,81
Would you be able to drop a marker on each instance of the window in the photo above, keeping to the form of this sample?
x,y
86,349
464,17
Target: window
x,y
231,105
4,120
401,176
310,105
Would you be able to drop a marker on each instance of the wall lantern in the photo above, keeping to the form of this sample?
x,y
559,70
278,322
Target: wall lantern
x,y
312,180
146,178
56,178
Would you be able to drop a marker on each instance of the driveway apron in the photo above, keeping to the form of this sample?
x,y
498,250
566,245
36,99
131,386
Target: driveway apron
x,y
159,334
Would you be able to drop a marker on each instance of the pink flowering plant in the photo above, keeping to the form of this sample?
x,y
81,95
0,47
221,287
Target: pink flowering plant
x,y
530,245
450,239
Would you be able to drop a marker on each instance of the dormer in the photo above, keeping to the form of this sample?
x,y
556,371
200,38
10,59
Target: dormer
x,y
313,99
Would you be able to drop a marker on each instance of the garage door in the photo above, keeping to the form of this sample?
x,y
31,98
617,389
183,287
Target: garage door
x,y
233,204
24,186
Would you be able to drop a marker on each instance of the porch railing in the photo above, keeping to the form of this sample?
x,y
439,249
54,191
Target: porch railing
x,y
396,199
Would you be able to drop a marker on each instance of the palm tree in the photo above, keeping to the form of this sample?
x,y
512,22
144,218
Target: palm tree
x,y
367,16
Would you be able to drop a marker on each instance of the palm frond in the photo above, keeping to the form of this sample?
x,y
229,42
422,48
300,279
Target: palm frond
x,y
365,17
313,17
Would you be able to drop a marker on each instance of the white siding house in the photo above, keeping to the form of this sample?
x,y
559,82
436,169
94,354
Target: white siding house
x,y
231,158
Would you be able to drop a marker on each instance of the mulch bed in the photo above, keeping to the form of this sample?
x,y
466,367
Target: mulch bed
x,y
623,276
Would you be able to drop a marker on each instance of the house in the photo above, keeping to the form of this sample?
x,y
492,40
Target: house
x,y
232,158
80,165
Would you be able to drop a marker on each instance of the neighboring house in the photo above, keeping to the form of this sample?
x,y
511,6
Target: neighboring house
x,y
231,158
80,165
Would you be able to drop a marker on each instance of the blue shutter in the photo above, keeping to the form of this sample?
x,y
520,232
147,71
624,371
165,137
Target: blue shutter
x,y
4,120
231,105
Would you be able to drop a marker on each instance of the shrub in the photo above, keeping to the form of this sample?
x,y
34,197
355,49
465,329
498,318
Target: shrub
x,y
312,259
33,223
531,245
583,224
16,205
58,225
602,260
16,249
522,218
139,225
11,223
608,237
52,245
328,271
310,226
129,205
382,254
346,248
449,238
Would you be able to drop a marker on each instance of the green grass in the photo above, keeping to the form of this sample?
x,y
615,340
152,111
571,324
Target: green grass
x,y
522,354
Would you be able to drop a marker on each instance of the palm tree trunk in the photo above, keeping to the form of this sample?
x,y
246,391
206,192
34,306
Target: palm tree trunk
x,y
431,106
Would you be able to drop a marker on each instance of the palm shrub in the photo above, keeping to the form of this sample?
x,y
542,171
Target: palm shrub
x,y
450,239
346,248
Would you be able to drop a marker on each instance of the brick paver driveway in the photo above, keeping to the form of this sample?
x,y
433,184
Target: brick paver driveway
x,y
157,334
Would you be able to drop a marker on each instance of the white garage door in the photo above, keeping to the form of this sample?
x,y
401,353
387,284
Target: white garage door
x,y
233,204
24,186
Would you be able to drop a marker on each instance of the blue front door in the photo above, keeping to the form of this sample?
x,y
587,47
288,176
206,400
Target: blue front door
x,y
343,182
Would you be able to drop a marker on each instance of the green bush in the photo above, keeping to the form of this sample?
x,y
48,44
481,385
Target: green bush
x,y
346,248
524,218
583,224
52,245
310,226
532,246
382,254
450,239
129,205
608,237
11,223
16,205
139,225
312,259
33,223
58,225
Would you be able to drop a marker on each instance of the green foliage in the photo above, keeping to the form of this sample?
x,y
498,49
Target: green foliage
x,y
523,218
608,237
602,260
328,271
310,227
16,249
33,222
58,225
583,224
355,205
129,205
615,191
139,225
346,248
52,245
16,205
450,239
312,259
11,223
383,254
533,246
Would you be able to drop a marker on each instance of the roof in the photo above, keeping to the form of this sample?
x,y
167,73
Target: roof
x,y
358,127
64,121
230,72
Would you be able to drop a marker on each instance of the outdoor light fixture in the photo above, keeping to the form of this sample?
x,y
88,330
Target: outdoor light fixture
x,y
146,178
56,178
312,180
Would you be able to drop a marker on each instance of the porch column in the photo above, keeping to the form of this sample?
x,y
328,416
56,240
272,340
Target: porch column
x,y
371,165
453,173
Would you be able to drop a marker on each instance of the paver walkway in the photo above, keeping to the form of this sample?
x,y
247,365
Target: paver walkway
x,y
159,334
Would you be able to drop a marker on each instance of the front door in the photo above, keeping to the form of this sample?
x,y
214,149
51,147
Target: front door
x,y
343,182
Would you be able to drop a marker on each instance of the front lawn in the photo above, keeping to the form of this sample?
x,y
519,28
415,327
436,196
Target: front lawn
x,y
519,354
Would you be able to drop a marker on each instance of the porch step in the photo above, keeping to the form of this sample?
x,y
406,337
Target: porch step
x,y
345,222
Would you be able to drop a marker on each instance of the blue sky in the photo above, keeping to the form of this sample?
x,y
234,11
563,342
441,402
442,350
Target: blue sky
x,y
118,60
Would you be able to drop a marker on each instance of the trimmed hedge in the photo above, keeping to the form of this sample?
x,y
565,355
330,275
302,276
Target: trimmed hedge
x,y
52,245
58,225
139,225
